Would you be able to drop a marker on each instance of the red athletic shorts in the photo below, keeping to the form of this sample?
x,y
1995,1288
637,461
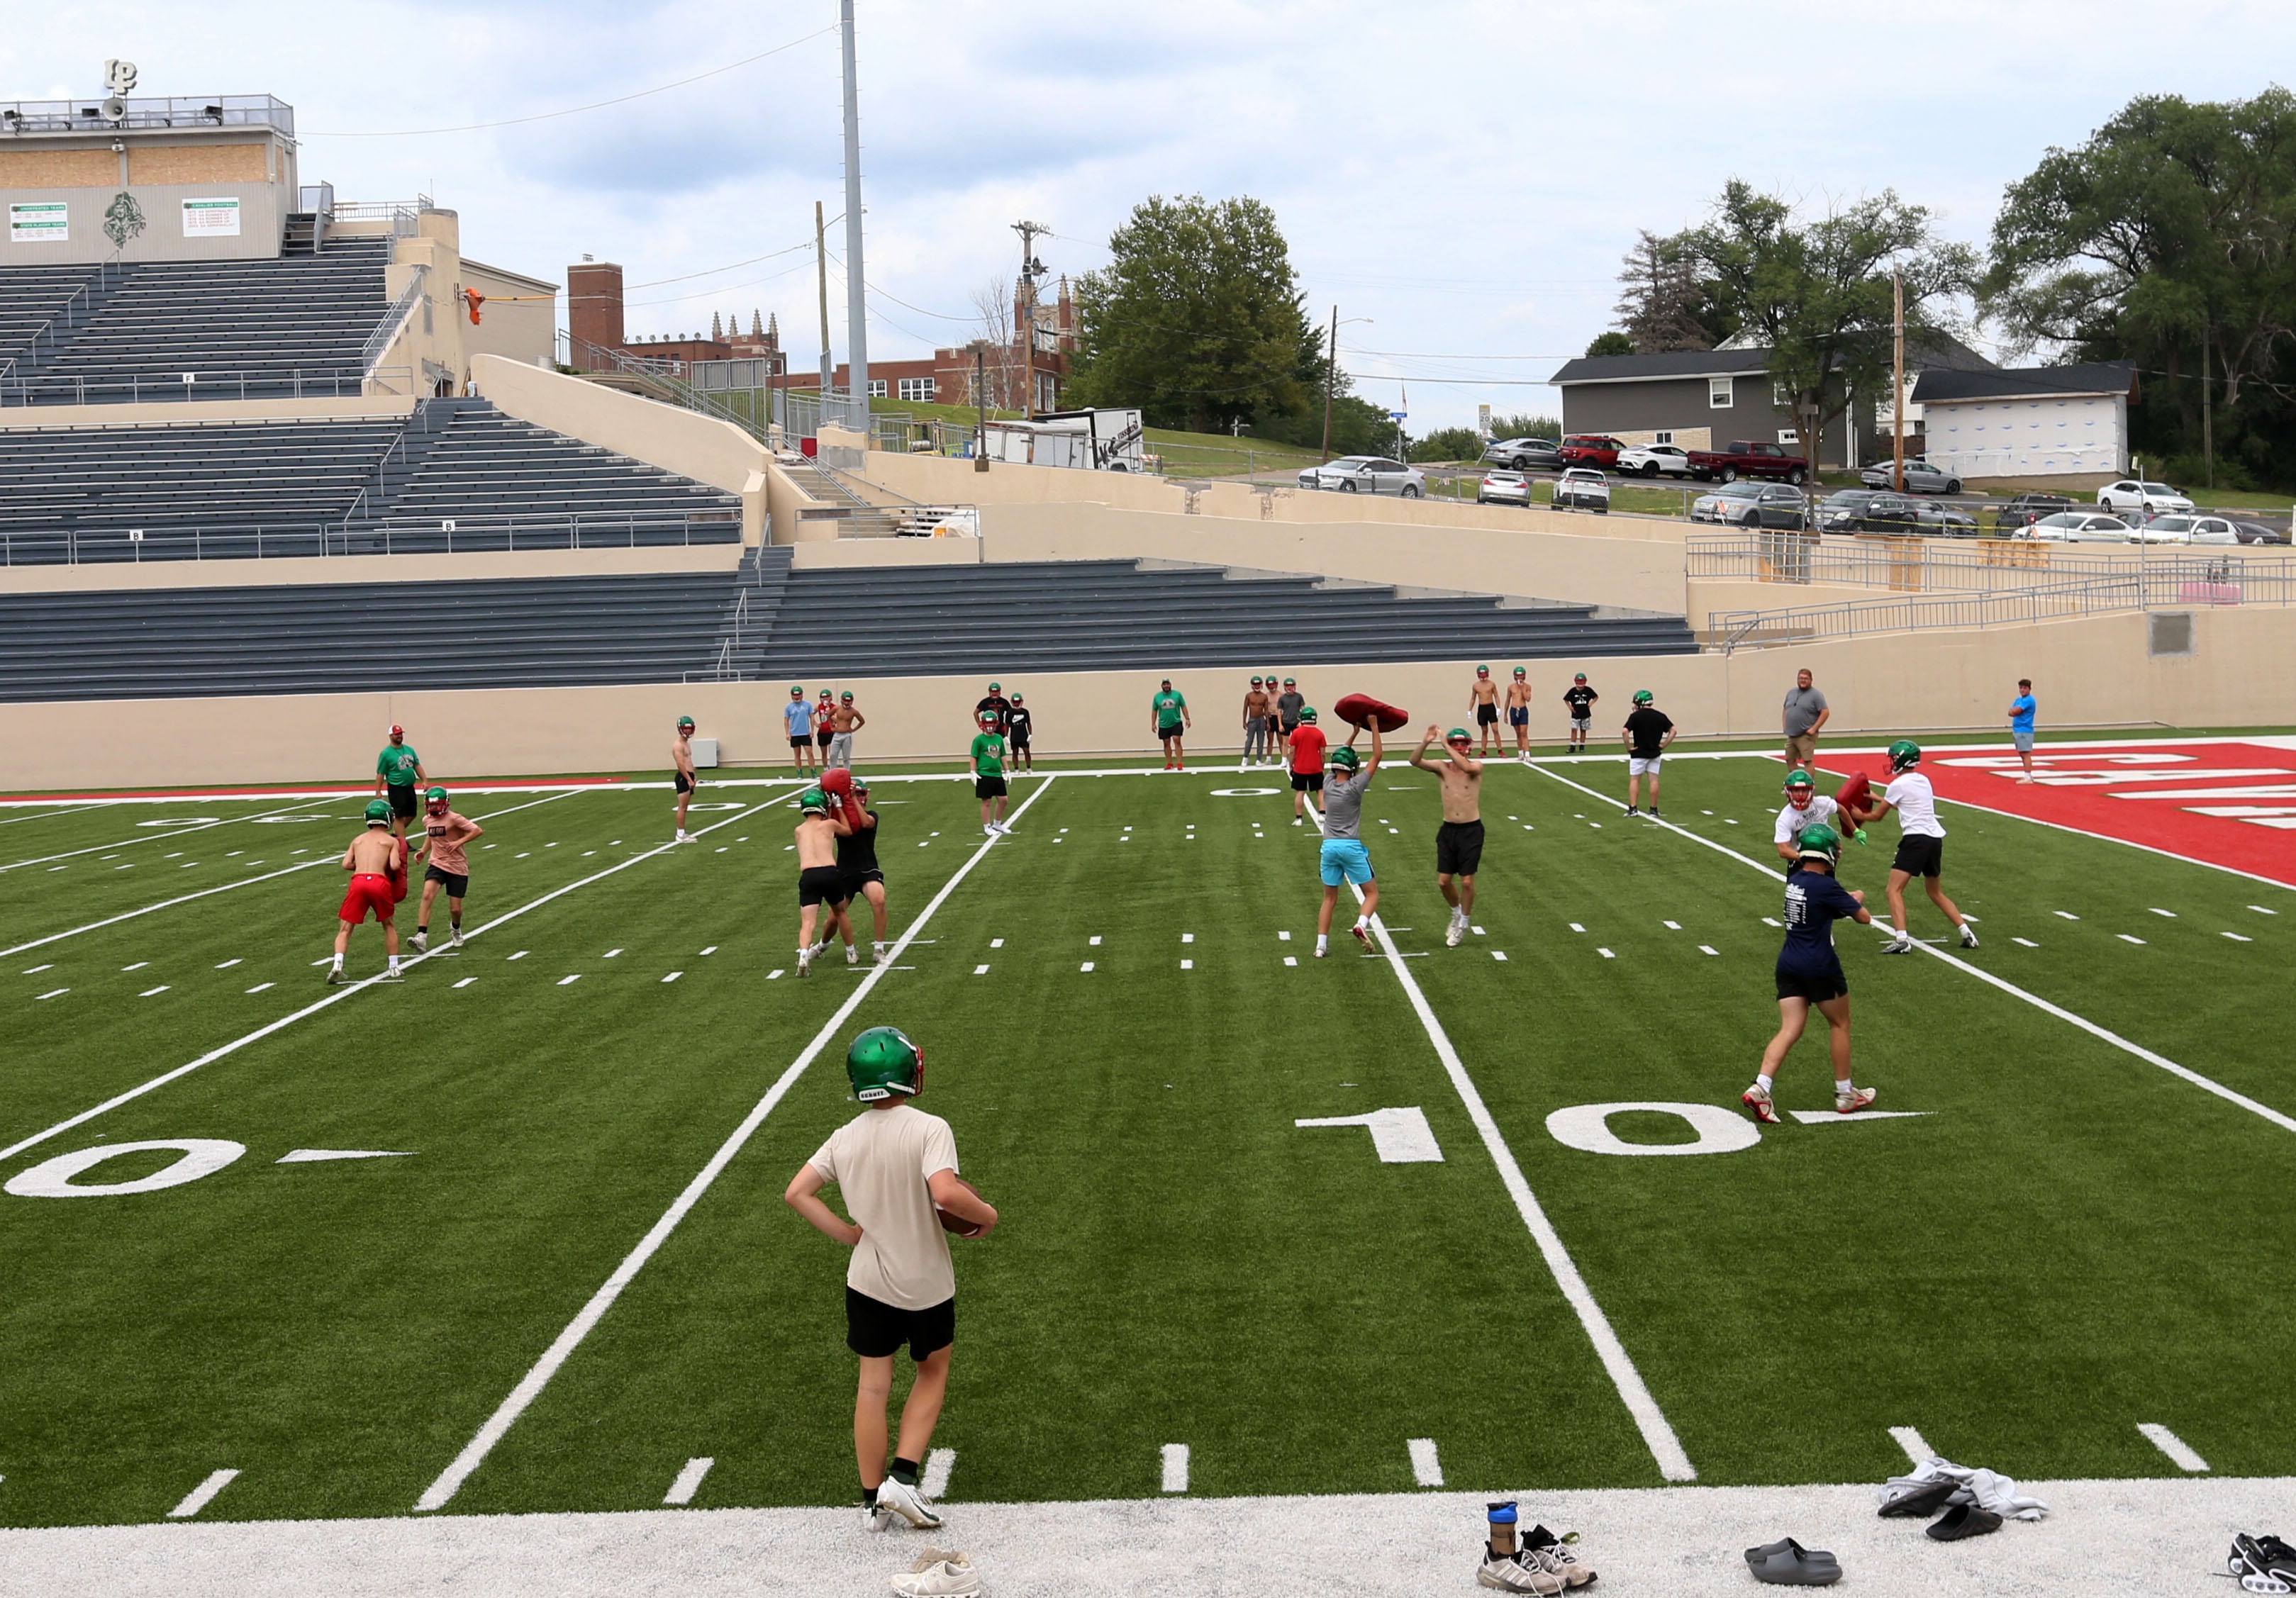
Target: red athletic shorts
x,y
368,891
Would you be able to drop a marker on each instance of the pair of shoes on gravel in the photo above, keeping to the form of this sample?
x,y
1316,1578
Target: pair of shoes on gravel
x,y
1786,1564
1542,1565
938,1573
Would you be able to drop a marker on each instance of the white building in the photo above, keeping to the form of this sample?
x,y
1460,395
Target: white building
x,y
2028,422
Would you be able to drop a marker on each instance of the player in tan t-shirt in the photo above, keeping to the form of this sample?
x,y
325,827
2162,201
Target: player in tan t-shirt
x,y
445,865
895,1166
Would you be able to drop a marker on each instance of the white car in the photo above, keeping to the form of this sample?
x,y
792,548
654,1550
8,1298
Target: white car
x,y
1367,474
2187,529
2132,494
2078,527
1583,488
1503,489
1650,460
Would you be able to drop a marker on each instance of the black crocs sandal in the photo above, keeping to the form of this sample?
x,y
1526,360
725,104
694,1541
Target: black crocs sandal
x,y
1964,1521
1921,1500
1789,1564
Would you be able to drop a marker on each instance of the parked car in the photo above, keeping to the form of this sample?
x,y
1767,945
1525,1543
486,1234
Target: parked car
x,y
2256,532
1583,488
1590,449
1750,505
2079,527
1864,510
1526,455
1503,489
1920,477
1747,457
1649,460
2134,494
2187,529
1943,521
2023,510
1367,474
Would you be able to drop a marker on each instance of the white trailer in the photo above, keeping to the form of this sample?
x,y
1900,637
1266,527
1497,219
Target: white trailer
x,y
1094,441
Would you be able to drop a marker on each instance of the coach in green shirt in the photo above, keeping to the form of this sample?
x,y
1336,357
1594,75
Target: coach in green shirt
x,y
1169,711
398,773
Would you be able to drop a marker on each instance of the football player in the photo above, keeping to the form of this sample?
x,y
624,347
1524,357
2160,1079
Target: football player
x,y
445,865
1809,971
1921,846
1805,806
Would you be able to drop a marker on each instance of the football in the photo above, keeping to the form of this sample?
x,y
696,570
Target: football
x,y
1360,710
958,1223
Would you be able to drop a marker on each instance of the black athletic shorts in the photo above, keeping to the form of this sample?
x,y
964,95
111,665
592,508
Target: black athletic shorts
x,y
1306,782
804,741
402,802
822,736
856,880
1487,716
820,885
1920,854
1016,741
457,886
1817,986
988,787
1171,732
1459,848
876,1329
680,782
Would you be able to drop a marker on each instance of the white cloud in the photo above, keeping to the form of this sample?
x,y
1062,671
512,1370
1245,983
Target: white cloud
x,y
1467,175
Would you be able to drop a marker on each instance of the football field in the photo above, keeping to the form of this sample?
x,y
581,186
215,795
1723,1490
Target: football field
x,y
1536,1243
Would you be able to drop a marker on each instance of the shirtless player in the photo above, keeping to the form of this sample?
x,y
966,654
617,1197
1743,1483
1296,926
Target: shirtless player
x,y
1257,707
1459,840
1484,697
819,882
681,757
373,857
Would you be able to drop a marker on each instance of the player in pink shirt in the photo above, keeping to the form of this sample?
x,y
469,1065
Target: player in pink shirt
x,y
444,865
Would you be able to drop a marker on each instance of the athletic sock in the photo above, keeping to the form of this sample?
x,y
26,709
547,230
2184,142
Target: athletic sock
x,y
339,963
1845,1084
904,1472
868,1497
394,965
1763,1082
422,929
1322,940
457,923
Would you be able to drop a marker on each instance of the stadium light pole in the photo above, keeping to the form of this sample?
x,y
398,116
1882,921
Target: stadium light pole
x,y
857,304
1332,375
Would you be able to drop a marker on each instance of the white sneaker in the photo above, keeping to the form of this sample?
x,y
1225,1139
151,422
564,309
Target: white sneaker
x,y
1968,936
908,1503
1510,1573
1453,933
684,836
1851,1103
1899,945
877,950
1757,1099
1299,820
852,953
457,942
873,1519
1553,1555
936,1574
420,942
805,962
988,829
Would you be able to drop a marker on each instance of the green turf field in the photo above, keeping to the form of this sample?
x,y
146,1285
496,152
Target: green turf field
x,y
1123,1020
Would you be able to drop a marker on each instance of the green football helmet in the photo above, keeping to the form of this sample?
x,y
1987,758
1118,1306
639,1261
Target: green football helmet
x,y
686,724
435,802
1904,753
378,812
1820,841
882,1062
1799,783
1458,736
1307,716
1642,696
1344,758
813,802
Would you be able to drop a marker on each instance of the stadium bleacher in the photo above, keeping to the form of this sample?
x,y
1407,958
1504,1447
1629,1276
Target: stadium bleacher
x,y
293,324
32,298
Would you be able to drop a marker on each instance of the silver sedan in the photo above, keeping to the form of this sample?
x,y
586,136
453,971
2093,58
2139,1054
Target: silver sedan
x,y
1367,474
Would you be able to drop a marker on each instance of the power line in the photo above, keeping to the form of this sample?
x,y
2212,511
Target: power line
x,y
406,133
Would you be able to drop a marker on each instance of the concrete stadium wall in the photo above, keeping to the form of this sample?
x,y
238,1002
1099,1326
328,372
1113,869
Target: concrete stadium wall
x,y
2094,672
159,413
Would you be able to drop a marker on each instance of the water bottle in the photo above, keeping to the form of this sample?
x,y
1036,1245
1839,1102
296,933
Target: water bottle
x,y
1502,1529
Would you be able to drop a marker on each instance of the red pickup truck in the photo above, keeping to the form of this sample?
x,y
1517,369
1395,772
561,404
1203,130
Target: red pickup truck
x,y
1747,458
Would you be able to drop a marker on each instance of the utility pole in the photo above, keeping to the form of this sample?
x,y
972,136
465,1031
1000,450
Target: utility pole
x,y
821,263
1029,266
1330,378
980,393
857,294
2207,415
1897,378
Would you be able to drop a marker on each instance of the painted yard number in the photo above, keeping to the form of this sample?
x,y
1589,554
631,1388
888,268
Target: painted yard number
x,y
1403,1136
195,1156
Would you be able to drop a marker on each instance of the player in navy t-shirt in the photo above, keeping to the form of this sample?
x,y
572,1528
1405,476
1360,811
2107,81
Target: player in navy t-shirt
x,y
1809,972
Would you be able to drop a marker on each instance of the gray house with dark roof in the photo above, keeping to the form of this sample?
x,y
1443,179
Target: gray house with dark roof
x,y
2027,422
1706,398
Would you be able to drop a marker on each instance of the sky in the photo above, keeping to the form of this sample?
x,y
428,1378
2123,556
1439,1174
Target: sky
x,y
1464,178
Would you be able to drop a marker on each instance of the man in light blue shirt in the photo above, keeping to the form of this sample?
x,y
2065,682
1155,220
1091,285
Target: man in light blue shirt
x,y
797,716
2020,725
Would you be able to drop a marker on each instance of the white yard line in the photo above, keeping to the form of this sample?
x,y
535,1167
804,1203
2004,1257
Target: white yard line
x,y
1426,1464
200,1496
46,814
688,1482
1916,1448
1175,1467
938,1463
334,997
449,1482
2103,1033
98,848
1657,1434
2179,1452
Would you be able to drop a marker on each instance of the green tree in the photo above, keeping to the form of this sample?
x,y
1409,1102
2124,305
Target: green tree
x,y
1198,319
2168,239
1662,301
1611,343
1526,427
1449,444
1818,293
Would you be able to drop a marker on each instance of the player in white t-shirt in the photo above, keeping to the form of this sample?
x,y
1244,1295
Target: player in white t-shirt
x,y
895,1166
1806,807
1921,845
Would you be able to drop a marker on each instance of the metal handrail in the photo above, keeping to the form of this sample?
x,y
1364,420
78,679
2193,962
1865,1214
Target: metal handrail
x,y
1915,563
379,341
70,389
80,546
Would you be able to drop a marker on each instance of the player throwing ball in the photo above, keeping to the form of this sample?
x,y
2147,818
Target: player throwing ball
x,y
1344,858
1459,840
374,857
1921,846
445,835
896,1167
857,862
1810,972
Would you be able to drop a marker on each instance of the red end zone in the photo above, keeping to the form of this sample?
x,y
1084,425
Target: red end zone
x,y
2225,804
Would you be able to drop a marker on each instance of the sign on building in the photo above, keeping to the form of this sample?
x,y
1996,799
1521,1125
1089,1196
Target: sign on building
x,y
40,222
211,218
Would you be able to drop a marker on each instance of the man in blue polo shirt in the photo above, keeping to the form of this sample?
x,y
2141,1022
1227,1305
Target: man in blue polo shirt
x,y
2020,725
